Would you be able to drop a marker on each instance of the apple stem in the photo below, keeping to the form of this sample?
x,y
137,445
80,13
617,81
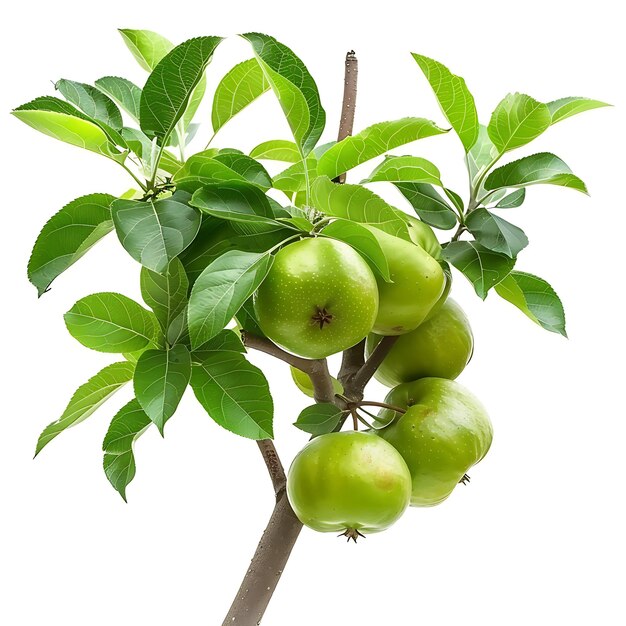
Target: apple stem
x,y
383,405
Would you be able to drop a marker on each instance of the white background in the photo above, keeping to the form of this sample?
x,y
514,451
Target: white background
x,y
538,536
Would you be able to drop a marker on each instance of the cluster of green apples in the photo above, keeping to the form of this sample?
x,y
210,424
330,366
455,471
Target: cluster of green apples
x,y
320,298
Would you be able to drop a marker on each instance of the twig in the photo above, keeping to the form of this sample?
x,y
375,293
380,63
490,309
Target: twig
x,y
352,361
364,375
348,106
382,405
274,466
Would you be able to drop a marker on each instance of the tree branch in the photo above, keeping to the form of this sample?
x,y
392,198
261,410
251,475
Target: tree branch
x,y
352,361
348,106
274,466
364,375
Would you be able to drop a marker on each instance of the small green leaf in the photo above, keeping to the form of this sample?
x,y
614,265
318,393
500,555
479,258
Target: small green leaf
x,y
429,205
169,87
536,298
110,322
161,377
221,290
513,200
147,47
225,341
409,169
155,231
356,203
87,398
247,320
165,294
482,267
319,419
543,168
455,99
277,150
237,201
374,141
363,241
292,180
235,394
294,87
250,169
482,154
123,92
92,102
516,121
495,233
67,236
119,460
566,107
242,85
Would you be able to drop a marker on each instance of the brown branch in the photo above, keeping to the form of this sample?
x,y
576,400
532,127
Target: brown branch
x,y
348,106
364,375
352,361
274,466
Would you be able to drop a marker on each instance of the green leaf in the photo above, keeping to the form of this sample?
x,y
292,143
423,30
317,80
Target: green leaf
x,y
250,169
147,47
429,205
513,200
247,320
374,141
235,394
482,154
123,92
87,398
161,377
516,121
166,293
68,235
221,289
482,267
119,461
455,99
535,298
197,95
225,341
277,150
155,231
356,203
243,84
234,201
62,121
294,87
168,89
92,102
566,107
409,169
542,168
110,322
319,419
363,241
292,180
495,233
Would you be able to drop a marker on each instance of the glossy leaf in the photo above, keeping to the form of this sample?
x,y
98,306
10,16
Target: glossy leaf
x,y
319,419
225,341
566,107
155,231
242,85
277,150
67,236
235,394
292,180
249,168
146,46
110,322
482,267
535,298
119,460
294,87
455,99
87,398
410,169
92,102
356,203
374,141
166,293
496,233
160,380
221,289
512,200
169,87
481,155
429,205
363,241
123,92
543,168
516,121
